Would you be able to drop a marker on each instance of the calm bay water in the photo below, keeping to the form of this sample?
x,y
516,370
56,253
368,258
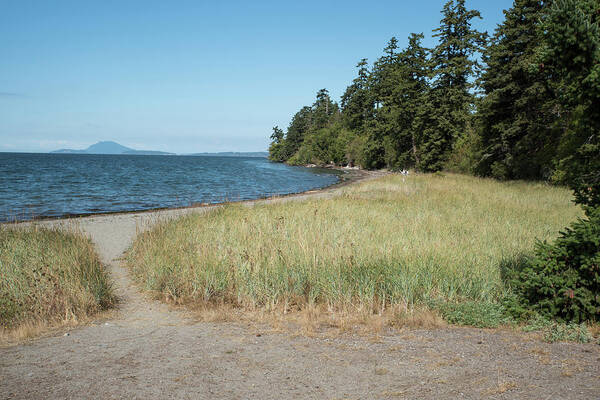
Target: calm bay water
x,y
55,185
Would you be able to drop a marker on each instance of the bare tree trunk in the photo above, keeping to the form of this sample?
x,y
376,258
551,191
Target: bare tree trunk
x,y
414,149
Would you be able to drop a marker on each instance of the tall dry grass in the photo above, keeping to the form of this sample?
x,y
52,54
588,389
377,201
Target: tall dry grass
x,y
49,277
392,243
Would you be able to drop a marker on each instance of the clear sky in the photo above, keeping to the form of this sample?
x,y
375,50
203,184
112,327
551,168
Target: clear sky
x,y
187,76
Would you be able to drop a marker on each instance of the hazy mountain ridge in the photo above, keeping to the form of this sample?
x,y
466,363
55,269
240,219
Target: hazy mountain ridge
x,y
110,147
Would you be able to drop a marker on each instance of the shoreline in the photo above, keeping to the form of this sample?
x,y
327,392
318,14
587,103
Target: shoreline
x,y
346,177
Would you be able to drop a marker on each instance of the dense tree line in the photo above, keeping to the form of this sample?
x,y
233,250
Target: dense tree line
x,y
521,104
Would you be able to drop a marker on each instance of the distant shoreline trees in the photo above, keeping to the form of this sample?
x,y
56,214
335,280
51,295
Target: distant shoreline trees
x,y
518,105
407,110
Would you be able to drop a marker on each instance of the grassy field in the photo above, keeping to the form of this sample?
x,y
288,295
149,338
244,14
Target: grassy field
x,y
49,278
394,244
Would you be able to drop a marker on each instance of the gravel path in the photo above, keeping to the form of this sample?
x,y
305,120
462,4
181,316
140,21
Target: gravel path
x,y
152,352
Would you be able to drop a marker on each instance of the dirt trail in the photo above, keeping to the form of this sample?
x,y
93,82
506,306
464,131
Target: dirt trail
x,y
112,235
152,352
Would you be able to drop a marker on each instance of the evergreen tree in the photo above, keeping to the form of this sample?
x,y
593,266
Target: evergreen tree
x,y
416,107
570,59
315,125
276,148
300,125
515,128
358,113
384,75
400,89
383,131
414,90
323,110
357,101
563,280
447,112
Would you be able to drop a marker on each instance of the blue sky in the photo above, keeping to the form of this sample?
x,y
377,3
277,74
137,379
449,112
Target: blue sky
x,y
186,76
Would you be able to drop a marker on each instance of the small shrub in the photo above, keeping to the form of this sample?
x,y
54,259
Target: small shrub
x,y
515,307
537,323
567,333
563,279
473,313
510,270
558,332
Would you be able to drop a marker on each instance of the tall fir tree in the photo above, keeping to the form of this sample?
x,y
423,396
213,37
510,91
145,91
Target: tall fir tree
x,y
447,113
358,113
515,115
277,145
404,87
562,280
357,101
570,60
384,130
323,110
296,132
414,92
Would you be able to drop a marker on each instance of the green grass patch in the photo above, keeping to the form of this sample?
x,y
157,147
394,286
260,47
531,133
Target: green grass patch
x,y
48,277
395,242
480,314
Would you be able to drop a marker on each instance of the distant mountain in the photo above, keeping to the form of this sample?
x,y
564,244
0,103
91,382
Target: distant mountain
x,y
234,154
109,147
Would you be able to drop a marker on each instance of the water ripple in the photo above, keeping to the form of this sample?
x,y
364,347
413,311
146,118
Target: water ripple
x,y
54,185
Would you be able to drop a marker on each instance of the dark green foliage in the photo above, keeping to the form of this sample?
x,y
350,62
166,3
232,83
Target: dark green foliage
x,y
537,116
397,119
324,111
312,136
563,280
515,116
451,102
320,147
570,59
307,136
466,153
402,90
357,101
414,93
581,171
300,125
378,124
276,149
437,136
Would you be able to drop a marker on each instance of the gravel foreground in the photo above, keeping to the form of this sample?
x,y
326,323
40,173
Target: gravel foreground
x,y
152,352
